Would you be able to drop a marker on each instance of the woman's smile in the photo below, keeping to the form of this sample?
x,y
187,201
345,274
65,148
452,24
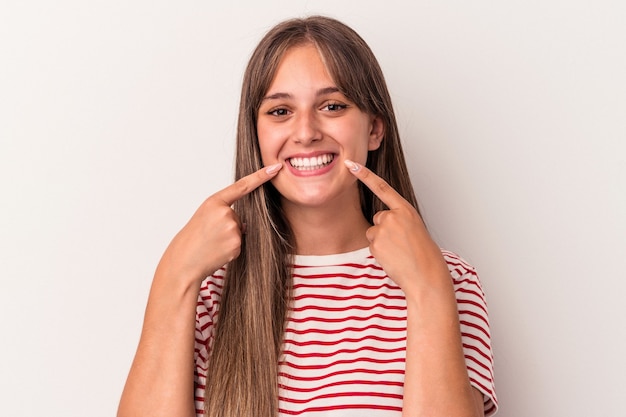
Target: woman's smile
x,y
311,165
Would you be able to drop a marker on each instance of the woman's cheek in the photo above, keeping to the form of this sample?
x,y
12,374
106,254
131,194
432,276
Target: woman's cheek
x,y
268,155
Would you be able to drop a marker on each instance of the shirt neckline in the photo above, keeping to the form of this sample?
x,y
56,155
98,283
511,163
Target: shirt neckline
x,y
356,256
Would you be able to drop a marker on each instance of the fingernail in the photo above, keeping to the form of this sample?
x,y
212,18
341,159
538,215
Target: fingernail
x,y
273,168
353,166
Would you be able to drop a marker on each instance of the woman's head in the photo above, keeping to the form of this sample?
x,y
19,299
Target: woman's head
x,y
355,71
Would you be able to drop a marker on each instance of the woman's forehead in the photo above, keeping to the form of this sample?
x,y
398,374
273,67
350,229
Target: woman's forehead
x,y
301,67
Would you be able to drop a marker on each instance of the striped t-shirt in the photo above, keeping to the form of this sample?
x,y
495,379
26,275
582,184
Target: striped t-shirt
x,y
345,342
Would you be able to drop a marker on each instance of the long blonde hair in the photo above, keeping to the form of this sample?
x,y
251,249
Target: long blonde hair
x,y
243,365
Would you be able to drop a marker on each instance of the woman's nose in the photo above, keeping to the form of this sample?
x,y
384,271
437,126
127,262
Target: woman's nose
x,y
306,128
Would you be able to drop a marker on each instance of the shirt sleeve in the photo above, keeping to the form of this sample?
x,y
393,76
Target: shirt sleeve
x,y
206,312
475,333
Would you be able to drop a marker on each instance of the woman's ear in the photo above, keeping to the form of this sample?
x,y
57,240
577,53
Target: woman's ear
x,y
377,132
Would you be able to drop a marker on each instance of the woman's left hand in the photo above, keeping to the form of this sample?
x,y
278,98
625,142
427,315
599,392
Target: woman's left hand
x,y
399,240
436,379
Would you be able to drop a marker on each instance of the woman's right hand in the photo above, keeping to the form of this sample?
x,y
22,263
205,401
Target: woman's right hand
x,y
212,237
160,381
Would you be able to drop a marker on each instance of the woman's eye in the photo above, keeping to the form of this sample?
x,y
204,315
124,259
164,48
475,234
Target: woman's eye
x,y
278,112
334,107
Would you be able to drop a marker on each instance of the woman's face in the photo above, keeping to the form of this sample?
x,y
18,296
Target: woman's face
x,y
306,124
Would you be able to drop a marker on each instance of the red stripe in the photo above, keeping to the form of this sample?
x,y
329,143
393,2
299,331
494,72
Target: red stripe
x,y
345,371
461,270
350,297
454,259
342,394
342,319
342,362
478,295
335,275
349,382
347,308
471,336
206,326
472,303
347,287
482,387
341,351
342,407
475,326
486,377
201,315
212,294
481,353
347,329
479,363
468,283
476,315
345,340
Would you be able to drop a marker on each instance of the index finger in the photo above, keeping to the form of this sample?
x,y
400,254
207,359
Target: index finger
x,y
247,184
377,185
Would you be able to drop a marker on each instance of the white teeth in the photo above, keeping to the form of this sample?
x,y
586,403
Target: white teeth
x,y
316,162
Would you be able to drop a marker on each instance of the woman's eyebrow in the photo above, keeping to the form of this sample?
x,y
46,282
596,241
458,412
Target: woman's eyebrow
x,y
277,96
327,90
320,92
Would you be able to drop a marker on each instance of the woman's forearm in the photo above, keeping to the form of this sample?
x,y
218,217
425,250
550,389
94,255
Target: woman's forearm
x,y
160,382
436,379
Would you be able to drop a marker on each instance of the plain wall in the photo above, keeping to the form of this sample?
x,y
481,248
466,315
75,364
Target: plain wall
x,y
117,119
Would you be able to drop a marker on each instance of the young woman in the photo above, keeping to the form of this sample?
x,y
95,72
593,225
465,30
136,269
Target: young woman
x,y
310,286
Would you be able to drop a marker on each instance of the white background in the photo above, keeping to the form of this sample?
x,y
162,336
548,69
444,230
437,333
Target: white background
x,y
117,119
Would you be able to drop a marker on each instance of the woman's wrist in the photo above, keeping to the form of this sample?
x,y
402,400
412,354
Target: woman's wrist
x,y
432,288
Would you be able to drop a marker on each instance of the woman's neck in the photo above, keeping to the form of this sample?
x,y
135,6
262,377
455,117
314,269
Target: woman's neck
x,y
329,229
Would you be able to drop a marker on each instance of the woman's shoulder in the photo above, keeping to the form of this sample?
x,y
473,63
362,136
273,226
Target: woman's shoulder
x,y
456,262
464,274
